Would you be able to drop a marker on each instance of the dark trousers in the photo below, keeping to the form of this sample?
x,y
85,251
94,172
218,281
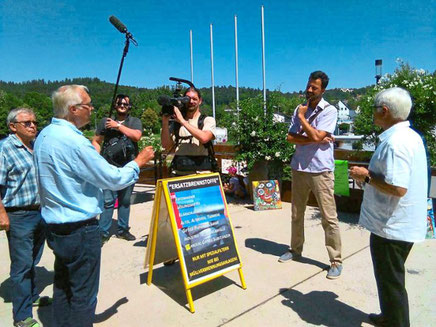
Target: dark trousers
x,y
26,238
77,250
388,259
123,209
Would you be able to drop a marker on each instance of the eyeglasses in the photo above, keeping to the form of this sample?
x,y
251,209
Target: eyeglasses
x,y
123,104
85,104
27,123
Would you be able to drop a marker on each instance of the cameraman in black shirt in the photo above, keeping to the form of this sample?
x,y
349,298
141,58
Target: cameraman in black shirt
x,y
119,138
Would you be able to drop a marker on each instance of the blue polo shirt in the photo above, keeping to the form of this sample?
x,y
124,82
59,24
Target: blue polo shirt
x,y
71,174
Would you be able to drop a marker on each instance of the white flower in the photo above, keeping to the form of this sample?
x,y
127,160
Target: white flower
x,y
277,154
267,158
253,134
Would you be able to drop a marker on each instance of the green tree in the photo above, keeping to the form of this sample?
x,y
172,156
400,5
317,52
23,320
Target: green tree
x,y
422,87
41,105
7,103
150,120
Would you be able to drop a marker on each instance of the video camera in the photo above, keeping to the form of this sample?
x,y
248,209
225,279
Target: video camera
x,y
178,100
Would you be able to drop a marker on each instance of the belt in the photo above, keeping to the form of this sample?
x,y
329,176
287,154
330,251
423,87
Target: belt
x,y
33,207
68,228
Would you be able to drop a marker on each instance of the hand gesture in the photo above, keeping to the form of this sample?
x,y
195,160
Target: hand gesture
x,y
328,139
302,109
358,173
145,156
178,115
110,123
4,221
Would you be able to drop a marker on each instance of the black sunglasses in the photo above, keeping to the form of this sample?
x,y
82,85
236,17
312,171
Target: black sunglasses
x,y
27,123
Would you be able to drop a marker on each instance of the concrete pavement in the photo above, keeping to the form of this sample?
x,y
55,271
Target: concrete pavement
x,y
278,294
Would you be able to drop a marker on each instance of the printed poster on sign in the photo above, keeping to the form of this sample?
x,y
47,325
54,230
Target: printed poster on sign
x,y
266,195
204,230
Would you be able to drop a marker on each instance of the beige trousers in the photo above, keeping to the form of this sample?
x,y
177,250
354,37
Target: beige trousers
x,y
322,186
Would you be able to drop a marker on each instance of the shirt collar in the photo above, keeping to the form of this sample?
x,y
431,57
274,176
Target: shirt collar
x,y
63,122
322,104
383,136
16,141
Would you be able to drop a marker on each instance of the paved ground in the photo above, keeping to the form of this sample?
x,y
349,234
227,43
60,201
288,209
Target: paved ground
x,y
278,294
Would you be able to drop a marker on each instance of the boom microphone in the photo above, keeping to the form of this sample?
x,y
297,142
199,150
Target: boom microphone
x,y
118,25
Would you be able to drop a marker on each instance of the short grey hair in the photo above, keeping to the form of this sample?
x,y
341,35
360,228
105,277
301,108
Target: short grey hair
x,y
65,97
398,101
12,116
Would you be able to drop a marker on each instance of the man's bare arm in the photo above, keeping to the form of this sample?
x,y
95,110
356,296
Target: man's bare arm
x,y
133,134
311,132
360,173
97,140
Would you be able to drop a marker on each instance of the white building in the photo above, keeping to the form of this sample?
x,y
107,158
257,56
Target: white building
x,y
345,115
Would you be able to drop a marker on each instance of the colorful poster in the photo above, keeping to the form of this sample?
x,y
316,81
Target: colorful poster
x,y
266,195
342,186
204,231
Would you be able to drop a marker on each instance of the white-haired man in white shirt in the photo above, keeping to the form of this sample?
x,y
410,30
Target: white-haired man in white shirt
x,y
394,202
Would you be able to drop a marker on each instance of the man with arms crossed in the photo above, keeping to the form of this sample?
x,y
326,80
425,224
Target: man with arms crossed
x,y
71,176
312,165
394,207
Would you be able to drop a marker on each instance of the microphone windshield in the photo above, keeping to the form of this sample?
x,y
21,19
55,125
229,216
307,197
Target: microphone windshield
x,y
118,25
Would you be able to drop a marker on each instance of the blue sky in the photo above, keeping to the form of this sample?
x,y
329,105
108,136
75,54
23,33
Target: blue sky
x,y
57,39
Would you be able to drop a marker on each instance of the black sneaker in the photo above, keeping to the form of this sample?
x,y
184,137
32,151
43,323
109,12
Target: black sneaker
x,y
126,236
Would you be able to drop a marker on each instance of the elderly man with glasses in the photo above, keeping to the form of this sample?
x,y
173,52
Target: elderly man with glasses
x,y
71,177
117,141
20,215
394,207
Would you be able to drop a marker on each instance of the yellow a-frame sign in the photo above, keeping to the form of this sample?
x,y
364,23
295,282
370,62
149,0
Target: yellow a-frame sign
x,y
191,222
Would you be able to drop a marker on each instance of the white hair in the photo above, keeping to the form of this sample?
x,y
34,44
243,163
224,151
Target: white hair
x,y
12,116
65,97
398,101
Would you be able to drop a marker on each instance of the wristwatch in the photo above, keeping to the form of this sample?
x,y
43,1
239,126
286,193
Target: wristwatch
x,y
368,179
118,125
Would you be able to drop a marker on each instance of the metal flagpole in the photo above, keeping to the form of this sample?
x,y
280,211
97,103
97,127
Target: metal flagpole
x,y
236,65
211,65
263,62
192,57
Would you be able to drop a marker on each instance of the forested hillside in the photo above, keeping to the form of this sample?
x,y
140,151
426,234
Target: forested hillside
x,y
36,94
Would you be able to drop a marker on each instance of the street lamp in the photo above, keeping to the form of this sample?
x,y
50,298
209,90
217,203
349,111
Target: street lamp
x,y
378,70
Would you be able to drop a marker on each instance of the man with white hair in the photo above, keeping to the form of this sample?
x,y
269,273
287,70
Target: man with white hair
x,y
20,216
71,175
394,202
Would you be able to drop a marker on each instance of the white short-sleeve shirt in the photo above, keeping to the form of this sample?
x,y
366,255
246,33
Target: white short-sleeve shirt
x,y
400,158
